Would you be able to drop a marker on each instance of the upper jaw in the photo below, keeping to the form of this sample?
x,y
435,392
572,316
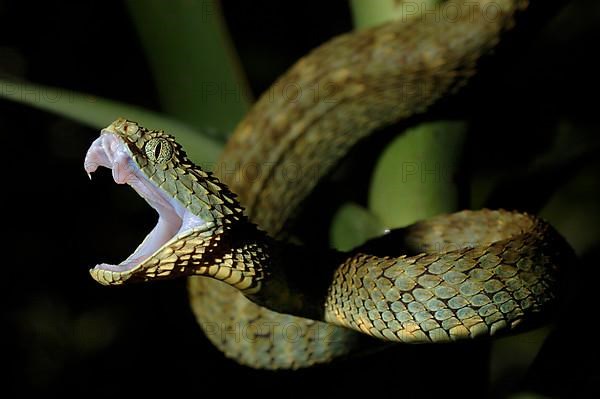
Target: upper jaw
x,y
110,151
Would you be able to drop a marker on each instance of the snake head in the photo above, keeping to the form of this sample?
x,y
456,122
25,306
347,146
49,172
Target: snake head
x,y
193,207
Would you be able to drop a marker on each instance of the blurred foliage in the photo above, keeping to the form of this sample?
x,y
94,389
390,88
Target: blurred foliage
x,y
195,67
99,112
371,13
416,176
352,226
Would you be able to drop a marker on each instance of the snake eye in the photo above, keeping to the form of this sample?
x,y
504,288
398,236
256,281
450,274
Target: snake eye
x,y
158,150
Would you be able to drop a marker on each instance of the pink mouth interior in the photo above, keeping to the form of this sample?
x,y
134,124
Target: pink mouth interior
x,y
110,151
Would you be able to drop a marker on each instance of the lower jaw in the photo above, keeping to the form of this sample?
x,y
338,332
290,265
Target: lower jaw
x,y
150,267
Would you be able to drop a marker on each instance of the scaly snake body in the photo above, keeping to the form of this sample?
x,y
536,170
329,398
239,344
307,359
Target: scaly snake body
x,y
271,304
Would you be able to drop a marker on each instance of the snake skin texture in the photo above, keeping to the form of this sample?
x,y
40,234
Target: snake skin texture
x,y
270,304
507,265
371,78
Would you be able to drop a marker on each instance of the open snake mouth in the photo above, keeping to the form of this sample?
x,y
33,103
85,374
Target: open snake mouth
x,y
110,151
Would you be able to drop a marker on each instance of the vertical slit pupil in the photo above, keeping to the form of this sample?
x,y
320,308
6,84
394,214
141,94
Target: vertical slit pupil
x,y
157,150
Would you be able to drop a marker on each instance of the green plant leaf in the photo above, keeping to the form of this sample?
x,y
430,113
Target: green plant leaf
x,y
573,209
352,225
195,66
99,112
374,12
415,177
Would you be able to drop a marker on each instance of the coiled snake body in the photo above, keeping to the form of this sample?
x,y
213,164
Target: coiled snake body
x,y
271,304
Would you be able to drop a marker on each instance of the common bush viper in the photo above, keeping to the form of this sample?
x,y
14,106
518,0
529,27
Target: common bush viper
x,y
272,304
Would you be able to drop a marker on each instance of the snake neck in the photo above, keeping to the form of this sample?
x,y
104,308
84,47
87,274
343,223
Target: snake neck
x,y
280,276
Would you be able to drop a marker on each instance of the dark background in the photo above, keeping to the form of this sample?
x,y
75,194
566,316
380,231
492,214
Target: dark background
x,y
67,334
